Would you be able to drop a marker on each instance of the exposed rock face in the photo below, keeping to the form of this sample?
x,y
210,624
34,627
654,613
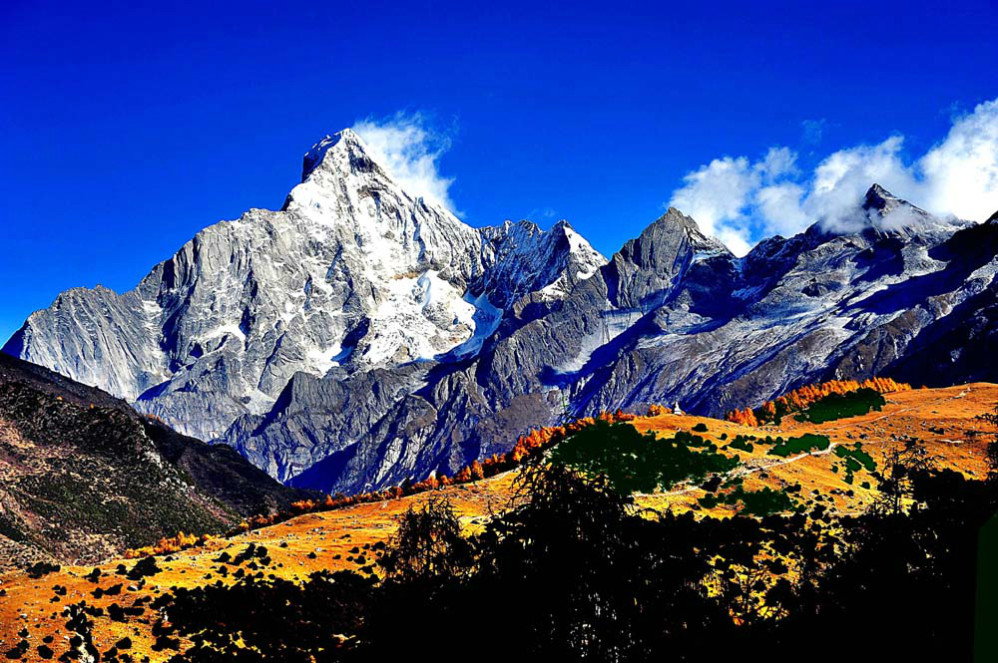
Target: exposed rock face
x,y
353,276
360,337
646,269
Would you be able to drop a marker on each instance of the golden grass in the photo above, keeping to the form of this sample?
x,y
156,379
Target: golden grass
x,y
324,540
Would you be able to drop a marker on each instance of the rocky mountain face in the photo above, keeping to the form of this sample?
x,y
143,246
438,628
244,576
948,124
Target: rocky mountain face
x,y
361,336
352,274
84,476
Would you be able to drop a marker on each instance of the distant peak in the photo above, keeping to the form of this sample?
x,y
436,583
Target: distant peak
x,y
881,212
675,217
879,198
883,206
563,227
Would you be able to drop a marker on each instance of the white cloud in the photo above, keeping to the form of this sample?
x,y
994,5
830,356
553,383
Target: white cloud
x,y
961,173
780,208
740,201
718,196
842,179
717,193
779,161
410,150
734,239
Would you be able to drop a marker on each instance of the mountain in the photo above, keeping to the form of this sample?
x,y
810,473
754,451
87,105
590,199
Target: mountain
x,y
84,476
362,336
675,316
352,274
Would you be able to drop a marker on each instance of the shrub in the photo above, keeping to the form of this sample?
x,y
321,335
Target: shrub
x,y
796,445
636,462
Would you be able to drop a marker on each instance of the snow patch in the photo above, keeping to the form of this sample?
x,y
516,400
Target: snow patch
x,y
419,318
221,330
485,321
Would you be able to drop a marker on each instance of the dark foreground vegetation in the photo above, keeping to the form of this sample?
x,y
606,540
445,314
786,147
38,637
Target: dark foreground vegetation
x,y
576,573
640,462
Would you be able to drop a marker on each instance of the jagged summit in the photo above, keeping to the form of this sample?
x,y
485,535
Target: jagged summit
x,y
879,198
348,142
343,178
674,227
890,214
353,274
700,240
880,212
647,268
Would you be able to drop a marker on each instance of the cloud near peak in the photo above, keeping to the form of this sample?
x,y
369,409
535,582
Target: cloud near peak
x,y
741,201
410,148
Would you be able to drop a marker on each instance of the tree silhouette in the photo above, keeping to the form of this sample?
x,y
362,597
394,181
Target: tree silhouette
x,y
428,543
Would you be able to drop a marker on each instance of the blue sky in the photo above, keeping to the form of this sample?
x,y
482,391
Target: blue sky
x,y
129,127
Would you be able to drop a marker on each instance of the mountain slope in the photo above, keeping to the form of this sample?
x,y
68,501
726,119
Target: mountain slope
x,y
361,336
349,538
83,476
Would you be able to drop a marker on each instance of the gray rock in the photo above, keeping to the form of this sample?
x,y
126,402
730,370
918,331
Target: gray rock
x,y
360,336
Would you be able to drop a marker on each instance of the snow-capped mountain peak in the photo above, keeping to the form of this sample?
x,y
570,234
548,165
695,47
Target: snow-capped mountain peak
x,y
879,198
343,151
885,212
353,274
360,336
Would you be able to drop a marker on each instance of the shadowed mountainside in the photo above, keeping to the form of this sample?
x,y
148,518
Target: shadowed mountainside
x,y
84,476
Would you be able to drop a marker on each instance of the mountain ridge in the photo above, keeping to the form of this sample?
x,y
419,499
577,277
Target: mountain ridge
x,y
378,275
370,327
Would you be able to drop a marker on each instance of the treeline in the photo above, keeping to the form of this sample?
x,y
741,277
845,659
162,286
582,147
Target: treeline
x,y
170,544
526,447
799,400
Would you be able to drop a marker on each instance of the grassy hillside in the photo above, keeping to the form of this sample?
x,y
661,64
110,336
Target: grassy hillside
x,y
806,476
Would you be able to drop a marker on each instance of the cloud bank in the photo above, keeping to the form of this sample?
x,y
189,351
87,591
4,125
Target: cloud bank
x,y
410,149
740,201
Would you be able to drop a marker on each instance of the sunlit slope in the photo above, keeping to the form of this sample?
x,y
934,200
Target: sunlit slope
x,y
943,420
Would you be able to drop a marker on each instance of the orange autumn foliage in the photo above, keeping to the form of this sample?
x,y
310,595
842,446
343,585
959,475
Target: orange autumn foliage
x,y
169,544
744,417
802,398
